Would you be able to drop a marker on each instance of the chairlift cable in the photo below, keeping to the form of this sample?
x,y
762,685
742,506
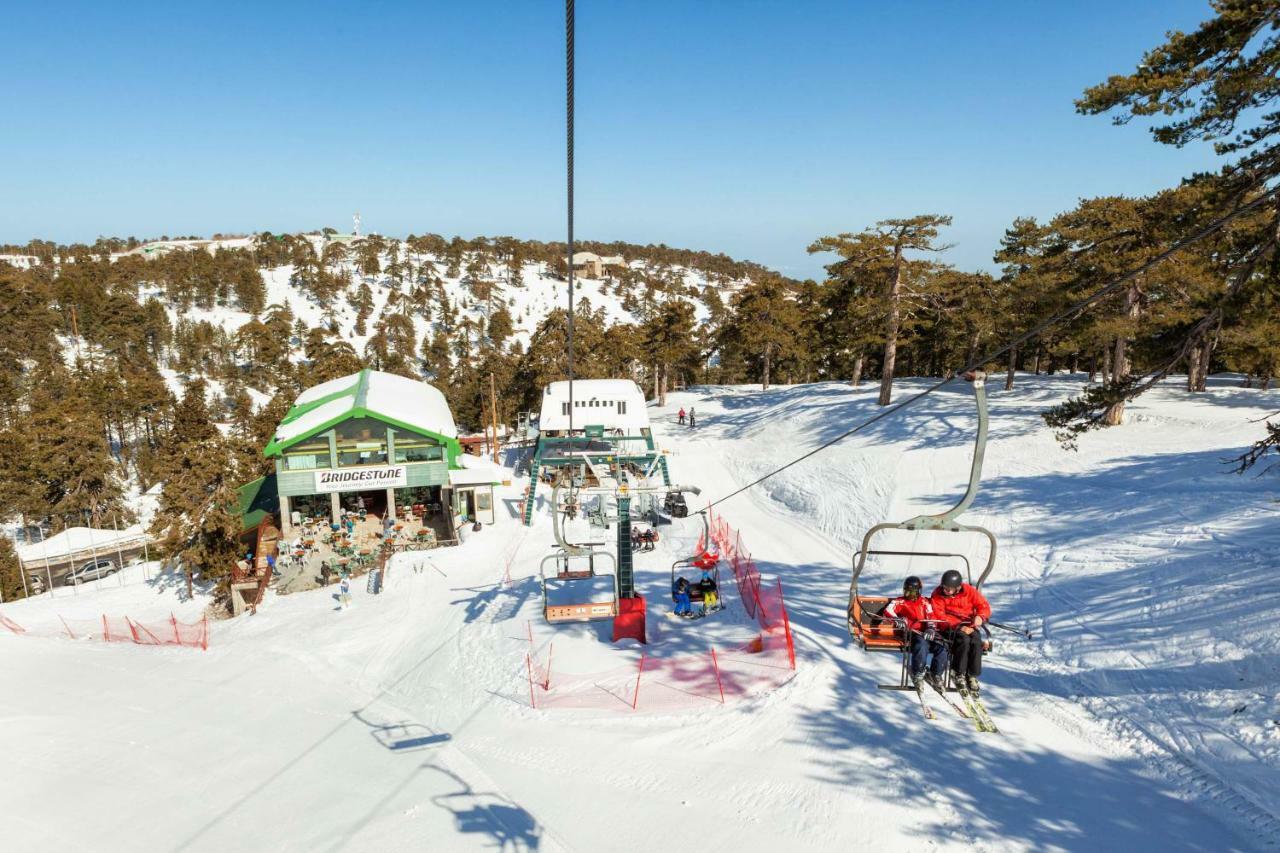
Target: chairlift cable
x,y
1055,319
568,65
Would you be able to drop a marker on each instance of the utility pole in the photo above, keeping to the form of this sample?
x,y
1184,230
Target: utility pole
x,y
493,401
568,32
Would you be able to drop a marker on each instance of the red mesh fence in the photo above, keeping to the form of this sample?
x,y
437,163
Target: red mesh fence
x,y
122,629
684,681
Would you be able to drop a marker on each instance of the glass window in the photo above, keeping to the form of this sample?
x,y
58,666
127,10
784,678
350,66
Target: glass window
x,y
411,447
564,408
361,441
622,407
308,455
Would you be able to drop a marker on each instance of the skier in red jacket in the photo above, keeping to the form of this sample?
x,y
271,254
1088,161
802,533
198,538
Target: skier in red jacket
x,y
915,613
962,609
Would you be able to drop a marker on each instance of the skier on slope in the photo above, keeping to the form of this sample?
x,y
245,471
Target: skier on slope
x,y
680,415
914,612
962,609
691,423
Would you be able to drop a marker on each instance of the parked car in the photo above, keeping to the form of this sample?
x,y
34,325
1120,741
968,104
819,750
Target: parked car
x,y
91,571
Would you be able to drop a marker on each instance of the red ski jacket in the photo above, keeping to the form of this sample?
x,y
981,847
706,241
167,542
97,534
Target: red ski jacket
x,y
959,609
913,611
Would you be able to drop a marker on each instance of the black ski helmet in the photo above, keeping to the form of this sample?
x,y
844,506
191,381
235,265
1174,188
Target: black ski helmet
x,y
952,580
912,583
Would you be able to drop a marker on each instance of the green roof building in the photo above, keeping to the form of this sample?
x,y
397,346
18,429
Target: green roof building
x,y
377,441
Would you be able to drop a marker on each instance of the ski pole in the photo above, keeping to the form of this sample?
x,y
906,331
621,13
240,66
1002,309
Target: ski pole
x,y
1019,631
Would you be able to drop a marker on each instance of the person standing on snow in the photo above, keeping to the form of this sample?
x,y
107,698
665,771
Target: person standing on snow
x,y
915,613
691,417
681,415
962,609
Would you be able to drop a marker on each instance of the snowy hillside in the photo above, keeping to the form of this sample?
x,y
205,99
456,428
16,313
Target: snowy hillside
x,y
1142,716
535,293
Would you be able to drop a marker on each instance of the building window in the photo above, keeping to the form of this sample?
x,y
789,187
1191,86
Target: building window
x,y
361,441
308,455
416,448
564,408
622,407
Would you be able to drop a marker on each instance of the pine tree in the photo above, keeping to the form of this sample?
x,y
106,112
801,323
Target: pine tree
x,y
880,254
11,585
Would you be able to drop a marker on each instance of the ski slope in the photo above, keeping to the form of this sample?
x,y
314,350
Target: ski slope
x,y
404,723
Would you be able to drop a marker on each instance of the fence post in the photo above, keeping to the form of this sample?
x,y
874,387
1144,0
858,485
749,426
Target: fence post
x,y
173,620
786,626
528,662
133,629
546,685
106,630
204,633
70,634
716,666
635,699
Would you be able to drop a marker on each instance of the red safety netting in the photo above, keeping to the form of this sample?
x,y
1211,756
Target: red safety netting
x,y
122,629
683,681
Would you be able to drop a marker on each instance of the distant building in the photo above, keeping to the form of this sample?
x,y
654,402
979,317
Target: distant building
x,y
594,265
601,405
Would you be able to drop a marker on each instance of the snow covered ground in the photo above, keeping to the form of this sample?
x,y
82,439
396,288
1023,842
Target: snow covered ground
x,y
1142,717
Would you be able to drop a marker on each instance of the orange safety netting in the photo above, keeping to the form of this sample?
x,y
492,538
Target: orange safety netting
x,y
684,681
122,629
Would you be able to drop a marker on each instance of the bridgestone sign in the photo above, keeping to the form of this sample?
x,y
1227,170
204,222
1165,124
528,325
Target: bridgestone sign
x,y
361,479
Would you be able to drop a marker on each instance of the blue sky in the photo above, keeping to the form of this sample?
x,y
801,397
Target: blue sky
x,y
744,127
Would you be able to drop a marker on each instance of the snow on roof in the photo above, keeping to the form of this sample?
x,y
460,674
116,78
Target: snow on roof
x,y
324,389
476,471
310,421
411,402
596,402
73,540
396,399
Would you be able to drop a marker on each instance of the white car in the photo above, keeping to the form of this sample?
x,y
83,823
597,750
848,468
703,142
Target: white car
x,y
91,572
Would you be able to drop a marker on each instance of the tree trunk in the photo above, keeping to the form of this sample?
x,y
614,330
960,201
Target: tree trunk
x,y
1114,416
662,388
1266,382
1093,368
1013,366
1206,356
655,382
1035,362
1193,366
973,349
1106,364
857,372
768,360
891,331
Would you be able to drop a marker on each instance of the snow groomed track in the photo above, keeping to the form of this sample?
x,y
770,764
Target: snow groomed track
x,y
405,722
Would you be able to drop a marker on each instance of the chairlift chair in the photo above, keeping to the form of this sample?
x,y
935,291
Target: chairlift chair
x,y
872,632
705,560
674,505
578,593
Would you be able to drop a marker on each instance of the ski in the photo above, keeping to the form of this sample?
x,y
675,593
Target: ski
x,y
980,721
924,706
986,717
954,705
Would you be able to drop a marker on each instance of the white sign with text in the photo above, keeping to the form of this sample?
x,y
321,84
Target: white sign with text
x,y
362,479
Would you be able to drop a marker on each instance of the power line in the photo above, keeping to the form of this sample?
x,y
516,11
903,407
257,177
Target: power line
x,y
568,85
1066,313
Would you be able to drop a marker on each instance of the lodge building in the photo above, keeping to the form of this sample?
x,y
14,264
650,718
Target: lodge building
x,y
377,442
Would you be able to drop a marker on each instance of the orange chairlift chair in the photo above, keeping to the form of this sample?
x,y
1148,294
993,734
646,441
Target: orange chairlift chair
x,y
874,633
